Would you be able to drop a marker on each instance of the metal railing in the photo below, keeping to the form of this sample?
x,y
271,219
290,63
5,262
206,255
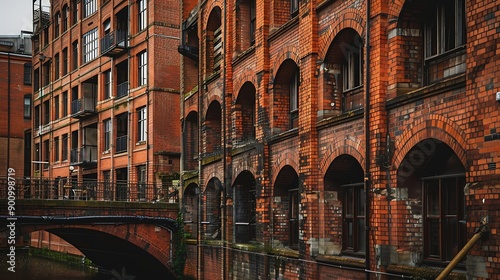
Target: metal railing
x,y
121,144
68,188
85,104
85,154
122,89
116,38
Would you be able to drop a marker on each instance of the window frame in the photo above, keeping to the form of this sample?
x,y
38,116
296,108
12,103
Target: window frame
x,y
90,45
108,86
28,68
142,21
27,106
64,147
294,98
353,218
89,8
108,130
142,124
142,62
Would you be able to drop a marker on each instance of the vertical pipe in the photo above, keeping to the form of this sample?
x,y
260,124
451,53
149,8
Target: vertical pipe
x,y
367,141
8,111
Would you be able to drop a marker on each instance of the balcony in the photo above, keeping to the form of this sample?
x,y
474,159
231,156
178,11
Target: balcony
x,y
122,89
86,155
114,43
121,144
83,107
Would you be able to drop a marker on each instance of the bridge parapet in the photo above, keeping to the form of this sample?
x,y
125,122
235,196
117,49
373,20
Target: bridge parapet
x,y
86,189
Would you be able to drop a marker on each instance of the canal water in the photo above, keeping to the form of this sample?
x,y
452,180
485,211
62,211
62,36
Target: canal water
x,y
29,267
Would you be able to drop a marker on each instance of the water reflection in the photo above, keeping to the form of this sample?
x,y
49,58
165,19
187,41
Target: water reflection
x,y
30,267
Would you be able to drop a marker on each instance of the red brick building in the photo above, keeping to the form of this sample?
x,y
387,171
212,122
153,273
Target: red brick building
x,y
340,139
15,98
106,99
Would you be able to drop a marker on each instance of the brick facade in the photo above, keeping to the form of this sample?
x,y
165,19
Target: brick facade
x,y
384,158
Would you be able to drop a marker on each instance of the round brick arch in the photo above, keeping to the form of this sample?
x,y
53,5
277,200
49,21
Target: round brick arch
x,y
146,237
287,158
347,146
287,52
437,127
395,8
350,18
211,6
248,75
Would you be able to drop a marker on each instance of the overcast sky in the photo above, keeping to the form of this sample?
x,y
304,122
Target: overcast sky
x,y
16,15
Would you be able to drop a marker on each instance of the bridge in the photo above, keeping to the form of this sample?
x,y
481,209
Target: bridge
x,y
115,234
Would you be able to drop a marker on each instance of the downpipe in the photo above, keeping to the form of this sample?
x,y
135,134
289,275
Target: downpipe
x,y
483,230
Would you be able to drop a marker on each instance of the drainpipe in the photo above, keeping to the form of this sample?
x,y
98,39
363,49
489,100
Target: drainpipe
x,y
482,230
224,139
129,141
8,110
367,144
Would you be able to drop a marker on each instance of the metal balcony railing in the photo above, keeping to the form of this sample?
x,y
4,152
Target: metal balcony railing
x,y
89,189
122,89
83,106
84,155
121,144
114,43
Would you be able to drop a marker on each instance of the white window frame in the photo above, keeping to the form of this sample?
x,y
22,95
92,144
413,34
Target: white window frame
x,y
107,134
142,124
143,68
89,7
143,14
90,45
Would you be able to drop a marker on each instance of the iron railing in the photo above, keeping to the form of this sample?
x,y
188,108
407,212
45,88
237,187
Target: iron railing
x,y
68,188
122,89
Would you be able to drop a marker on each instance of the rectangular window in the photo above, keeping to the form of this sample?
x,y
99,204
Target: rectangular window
x,y
56,149
252,22
64,147
74,6
56,107
143,68
352,69
46,73
46,153
65,16
37,116
141,124
353,201
65,61
46,112
75,54
107,84
27,73
90,7
143,15
27,106
57,25
121,133
90,45
65,104
36,80
141,182
56,66
294,7
107,134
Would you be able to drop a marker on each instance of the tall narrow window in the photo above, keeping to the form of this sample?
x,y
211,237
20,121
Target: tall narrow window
x,y
57,24
56,66
141,124
46,73
143,16
65,16
46,112
65,61
56,149
90,45
27,74
37,116
36,79
107,84
143,68
353,202
56,107
64,149
352,68
141,182
75,54
107,134
27,106
294,7
252,22
74,7
65,104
